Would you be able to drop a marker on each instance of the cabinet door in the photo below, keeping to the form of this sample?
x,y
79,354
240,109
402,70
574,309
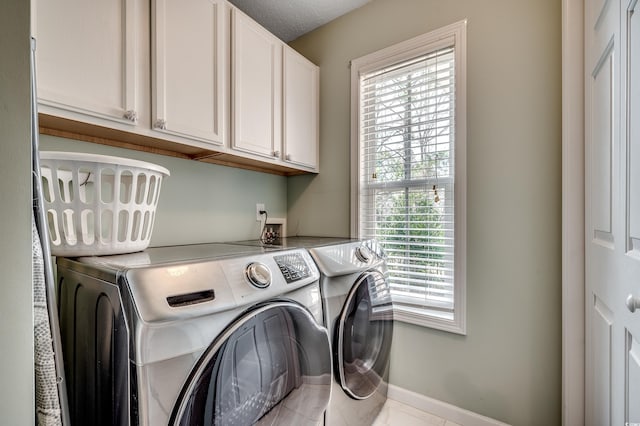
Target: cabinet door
x,y
256,58
189,69
300,98
86,58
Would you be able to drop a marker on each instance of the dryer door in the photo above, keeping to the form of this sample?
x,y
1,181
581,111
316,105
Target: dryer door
x,y
364,333
270,366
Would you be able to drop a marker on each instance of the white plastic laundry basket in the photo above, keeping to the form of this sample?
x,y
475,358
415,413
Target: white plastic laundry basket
x,y
98,204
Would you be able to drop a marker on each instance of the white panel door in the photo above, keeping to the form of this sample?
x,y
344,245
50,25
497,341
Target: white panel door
x,y
630,262
256,70
189,69
300,119
612,212
86,57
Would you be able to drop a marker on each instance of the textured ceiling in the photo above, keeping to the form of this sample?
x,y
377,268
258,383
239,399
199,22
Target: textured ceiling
x,y
289,19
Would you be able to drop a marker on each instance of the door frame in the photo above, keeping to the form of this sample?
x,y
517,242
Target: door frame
x,y
573,214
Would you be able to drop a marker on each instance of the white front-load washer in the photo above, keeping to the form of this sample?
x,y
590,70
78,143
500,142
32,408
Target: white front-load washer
x,y
359,316
209,334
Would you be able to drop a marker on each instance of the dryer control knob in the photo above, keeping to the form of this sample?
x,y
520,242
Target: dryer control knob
x,y
258,274
363,254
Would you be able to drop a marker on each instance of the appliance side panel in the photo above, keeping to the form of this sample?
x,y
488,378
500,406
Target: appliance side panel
x,y
95,348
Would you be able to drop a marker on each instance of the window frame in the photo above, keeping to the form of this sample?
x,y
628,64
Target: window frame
x,y
453,34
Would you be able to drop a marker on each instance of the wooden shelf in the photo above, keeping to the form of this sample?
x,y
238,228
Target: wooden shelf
x,y
61,127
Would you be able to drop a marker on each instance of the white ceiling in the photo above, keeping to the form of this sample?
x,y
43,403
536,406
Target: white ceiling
x,y
289,19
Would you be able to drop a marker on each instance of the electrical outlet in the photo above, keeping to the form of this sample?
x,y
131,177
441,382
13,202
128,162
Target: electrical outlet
x,y
259,208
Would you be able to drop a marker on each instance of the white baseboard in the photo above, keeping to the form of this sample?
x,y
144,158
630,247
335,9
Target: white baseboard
x,y
441,409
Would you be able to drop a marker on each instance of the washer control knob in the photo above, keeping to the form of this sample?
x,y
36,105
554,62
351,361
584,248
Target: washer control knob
x,y
363,254
258,274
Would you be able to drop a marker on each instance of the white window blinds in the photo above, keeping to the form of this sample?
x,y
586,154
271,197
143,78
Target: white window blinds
x,y
406,182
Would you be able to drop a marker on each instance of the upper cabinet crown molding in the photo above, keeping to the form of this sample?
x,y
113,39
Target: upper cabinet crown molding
x,y
214,85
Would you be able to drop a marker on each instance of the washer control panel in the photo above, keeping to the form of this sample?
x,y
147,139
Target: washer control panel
x,y
292,266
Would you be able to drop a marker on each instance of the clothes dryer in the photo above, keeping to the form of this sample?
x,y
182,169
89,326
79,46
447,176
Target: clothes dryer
x,y
359,316
199,334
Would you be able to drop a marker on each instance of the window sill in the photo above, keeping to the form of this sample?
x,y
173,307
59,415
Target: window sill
x,y
425,317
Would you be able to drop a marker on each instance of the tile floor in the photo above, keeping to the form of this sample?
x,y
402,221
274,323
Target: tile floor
x,y
396,413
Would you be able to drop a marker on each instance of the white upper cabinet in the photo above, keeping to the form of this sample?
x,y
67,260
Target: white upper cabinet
x,y
189,69
274,97
256,98
300,111
86,58
194,77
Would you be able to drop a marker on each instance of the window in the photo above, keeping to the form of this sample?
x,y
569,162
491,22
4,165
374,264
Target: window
x,y
408,171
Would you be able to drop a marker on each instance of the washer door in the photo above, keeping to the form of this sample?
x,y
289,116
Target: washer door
x,y
364,333
270,366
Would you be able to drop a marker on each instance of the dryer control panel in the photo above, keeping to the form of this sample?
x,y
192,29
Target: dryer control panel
x,y
292,266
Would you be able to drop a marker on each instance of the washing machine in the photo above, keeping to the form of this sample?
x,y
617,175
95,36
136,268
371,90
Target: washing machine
x,y
211,334
359,316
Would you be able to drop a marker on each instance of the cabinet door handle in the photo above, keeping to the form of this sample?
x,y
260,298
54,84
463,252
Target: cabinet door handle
x,y
160,124
633,303
276,153
131,115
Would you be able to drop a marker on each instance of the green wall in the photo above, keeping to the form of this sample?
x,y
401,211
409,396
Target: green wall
x,y
16,303
199,202
509,365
